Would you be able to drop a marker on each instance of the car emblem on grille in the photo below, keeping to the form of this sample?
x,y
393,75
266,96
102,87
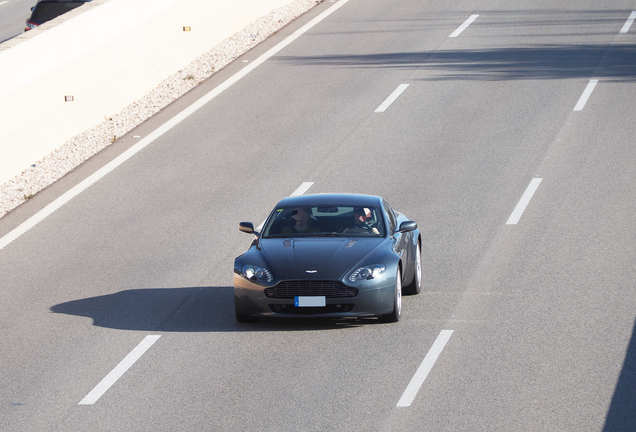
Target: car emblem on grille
x,y
311,271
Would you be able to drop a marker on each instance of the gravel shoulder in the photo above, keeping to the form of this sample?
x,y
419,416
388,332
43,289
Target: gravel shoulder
x,y
83,146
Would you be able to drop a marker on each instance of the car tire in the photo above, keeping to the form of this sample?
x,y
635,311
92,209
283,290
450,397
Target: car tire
x,y
416,286
397,301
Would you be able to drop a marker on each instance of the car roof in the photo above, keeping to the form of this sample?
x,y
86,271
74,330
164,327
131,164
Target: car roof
x,y
331,199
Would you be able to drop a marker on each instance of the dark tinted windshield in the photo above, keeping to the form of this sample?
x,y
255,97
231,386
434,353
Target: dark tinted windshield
x,y
46,11
347,221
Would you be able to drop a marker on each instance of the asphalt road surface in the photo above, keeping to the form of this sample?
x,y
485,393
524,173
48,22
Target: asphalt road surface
x,y
13,15
506,130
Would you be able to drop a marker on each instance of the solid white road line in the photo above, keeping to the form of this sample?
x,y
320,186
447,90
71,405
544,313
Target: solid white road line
x,y
586,95
119,370
422,372
524,201
3,2
48,210
628,23
463,27
300,191
396,93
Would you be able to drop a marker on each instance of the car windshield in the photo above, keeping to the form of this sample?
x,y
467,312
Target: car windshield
x,y
46,11
330,220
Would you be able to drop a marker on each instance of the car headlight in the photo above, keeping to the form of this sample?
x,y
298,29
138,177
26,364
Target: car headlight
x,y
257,273
367,272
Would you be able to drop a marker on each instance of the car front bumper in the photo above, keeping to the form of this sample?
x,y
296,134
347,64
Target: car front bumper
x,y
374,299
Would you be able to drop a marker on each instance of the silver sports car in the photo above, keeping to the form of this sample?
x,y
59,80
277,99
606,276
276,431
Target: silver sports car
x,y
328,255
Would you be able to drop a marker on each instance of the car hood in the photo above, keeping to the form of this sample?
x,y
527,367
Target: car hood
x,y
315,258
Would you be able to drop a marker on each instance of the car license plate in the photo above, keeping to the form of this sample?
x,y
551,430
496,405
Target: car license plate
x,y
310,301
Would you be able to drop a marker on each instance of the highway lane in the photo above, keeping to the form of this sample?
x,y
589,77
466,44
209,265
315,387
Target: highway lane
x,y
538,335
537,340
148,249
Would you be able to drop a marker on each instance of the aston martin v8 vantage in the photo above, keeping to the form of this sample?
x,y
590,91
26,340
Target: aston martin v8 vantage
x,y
328,256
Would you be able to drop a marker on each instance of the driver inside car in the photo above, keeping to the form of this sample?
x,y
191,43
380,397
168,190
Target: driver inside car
x,y
302,222
362,221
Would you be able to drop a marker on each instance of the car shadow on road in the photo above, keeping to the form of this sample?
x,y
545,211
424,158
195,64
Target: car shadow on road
x,y
621,416
195,309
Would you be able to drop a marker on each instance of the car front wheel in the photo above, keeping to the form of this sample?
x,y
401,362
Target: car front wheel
x,y
397,303
416,286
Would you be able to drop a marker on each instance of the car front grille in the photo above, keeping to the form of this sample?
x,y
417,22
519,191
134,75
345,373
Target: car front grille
x,y
329,289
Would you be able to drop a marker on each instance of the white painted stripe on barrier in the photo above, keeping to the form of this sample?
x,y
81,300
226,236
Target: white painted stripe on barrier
x,y
463,27
422,372
392,97
85,184
119,370
524,201
629,22
586,95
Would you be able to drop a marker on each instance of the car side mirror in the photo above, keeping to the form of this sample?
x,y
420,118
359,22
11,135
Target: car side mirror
x,y
247,227
408,226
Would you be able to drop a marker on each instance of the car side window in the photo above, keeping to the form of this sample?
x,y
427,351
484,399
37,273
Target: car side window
x,y
391,216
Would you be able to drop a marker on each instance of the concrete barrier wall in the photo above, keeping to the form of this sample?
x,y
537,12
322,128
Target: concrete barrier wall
x,y
106,55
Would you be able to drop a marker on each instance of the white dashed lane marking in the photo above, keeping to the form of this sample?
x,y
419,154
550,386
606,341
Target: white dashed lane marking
x,y
463,27
119,370
524,201
302,188
586,95
629,22
422,372
392,97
